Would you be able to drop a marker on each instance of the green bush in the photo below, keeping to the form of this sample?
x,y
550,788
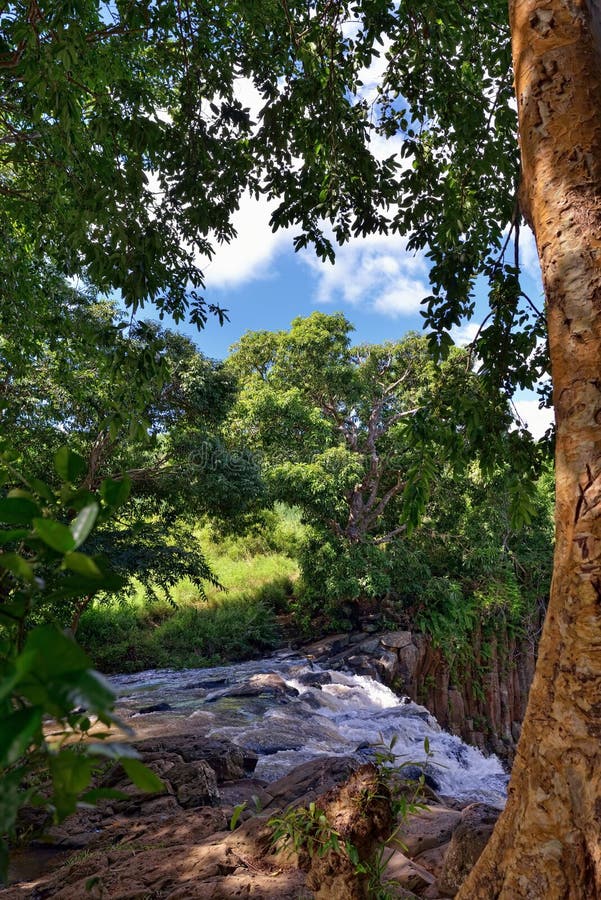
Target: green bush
x,y
127,637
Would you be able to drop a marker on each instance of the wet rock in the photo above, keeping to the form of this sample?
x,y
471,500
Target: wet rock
x,y
267,685
274,735
154,707
314,679
208,684
386,664
414,773
194,784
467,843
229,761
362,664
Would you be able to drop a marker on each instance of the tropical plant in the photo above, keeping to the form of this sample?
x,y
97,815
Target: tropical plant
x,y
43,673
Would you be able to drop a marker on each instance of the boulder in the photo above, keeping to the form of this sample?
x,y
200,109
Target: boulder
x,y
430,827
194,784
263,685
229,761
433,859
307,781
405,872
314,679
395,640
154,707
467,843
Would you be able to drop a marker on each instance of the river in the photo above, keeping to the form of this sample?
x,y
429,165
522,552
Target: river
x,y
288,710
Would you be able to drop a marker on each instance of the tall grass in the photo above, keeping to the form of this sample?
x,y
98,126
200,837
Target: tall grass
x,y
234,624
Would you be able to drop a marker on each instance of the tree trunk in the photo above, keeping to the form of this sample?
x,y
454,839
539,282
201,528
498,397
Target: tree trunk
x,y
547,843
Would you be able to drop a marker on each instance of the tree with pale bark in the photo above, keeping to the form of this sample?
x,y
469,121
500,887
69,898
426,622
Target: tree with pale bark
x,y
94,98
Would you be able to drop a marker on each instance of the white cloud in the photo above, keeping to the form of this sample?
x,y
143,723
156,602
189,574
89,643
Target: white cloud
x,y
529,253
537,420
250,255
375,273
464,335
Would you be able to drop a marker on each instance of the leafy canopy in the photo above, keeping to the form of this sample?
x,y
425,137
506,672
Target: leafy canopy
x,y
356,435
125,149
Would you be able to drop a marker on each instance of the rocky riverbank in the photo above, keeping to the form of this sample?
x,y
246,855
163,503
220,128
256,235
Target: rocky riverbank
x,y
178,845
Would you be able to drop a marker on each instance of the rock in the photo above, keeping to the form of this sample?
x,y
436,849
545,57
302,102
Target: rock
x,y
368,646
310,779
467,843
406,872
386,664
264,685
457,715
273,736
251,791
229,761
414,773
155,707
315,679
430,827
194,784
327,647
395,640
433,859
208,684
362,664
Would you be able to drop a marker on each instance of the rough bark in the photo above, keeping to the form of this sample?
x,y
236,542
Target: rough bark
x,y
548,841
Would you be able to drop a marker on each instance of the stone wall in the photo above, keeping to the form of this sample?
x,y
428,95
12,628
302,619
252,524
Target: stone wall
x,y
483,699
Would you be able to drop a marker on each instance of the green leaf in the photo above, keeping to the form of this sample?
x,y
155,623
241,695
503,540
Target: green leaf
x,y
71,774
16,534
82,564
42,489
83,524
18,510
17,733
115,492
142,777
17,565
12,797
56,653
22,665
238,810
69,465
90,689
55,535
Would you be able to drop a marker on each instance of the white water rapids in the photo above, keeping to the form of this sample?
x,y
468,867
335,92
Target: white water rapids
x,y
343,715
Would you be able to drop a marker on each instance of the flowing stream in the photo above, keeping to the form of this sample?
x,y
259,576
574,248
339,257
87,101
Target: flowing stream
x,y
289,710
